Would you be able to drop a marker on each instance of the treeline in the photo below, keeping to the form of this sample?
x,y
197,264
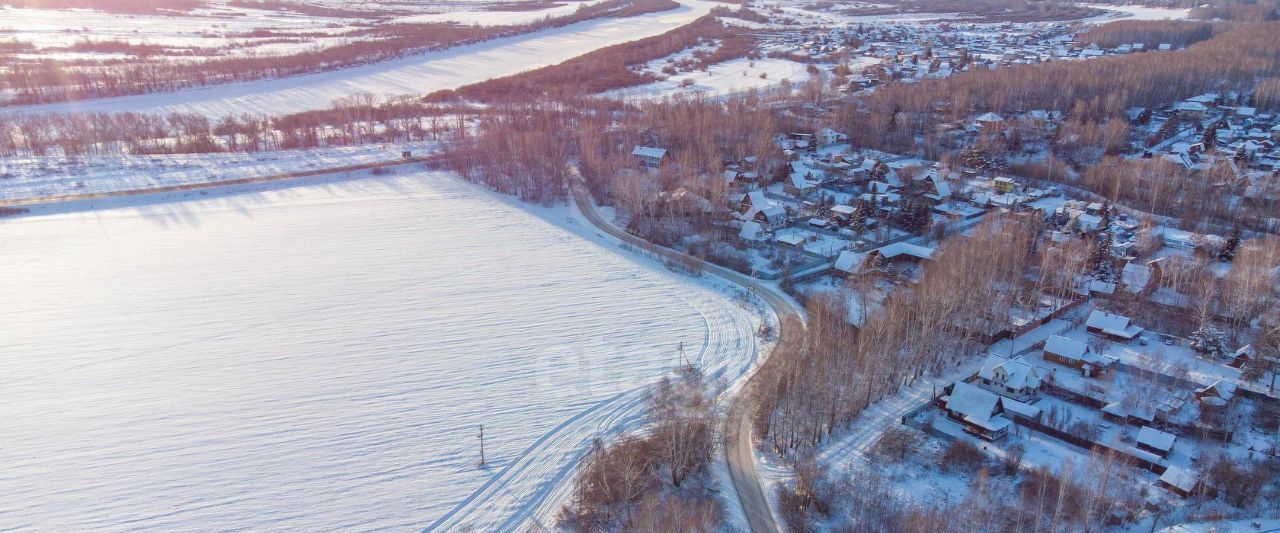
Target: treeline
x,y
986,10
522,148
51,81
658,481
821,381
1150,33
114,6
350,121
1241,10
608,68
1089,90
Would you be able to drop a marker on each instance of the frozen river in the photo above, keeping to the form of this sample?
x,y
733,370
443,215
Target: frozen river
x,y
320,357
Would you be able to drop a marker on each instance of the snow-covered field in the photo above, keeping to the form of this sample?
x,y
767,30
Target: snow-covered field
x,y
733,76
1136,13
416,75
321,356
497,18
210,27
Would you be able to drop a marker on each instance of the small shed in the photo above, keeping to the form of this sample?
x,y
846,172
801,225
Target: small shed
x,y
1179,481
1155,441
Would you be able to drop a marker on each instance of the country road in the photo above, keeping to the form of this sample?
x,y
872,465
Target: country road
x,y
738,445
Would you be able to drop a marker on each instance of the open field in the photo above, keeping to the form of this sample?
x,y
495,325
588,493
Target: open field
x,y
306,358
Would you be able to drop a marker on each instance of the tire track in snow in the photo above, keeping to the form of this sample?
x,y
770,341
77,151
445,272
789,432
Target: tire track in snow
x,y
541,483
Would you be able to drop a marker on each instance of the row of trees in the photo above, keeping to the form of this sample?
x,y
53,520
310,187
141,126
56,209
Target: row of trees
x,y
658,481
822,380
31,82
1088,90
612,67
359,119
1148,32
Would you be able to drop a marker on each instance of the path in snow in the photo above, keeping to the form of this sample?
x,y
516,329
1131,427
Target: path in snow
x,y
319,357
418,74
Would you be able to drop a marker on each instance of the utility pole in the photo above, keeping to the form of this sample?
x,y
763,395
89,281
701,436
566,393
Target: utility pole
x,y
482,446
683,359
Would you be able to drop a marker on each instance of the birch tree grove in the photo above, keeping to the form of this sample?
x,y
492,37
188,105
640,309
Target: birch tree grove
x,y
825,377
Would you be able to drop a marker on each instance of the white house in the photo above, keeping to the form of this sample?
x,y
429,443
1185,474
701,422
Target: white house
x,y
828,137
1012,378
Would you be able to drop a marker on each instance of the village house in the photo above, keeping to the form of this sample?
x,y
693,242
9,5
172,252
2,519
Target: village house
x,y
1155,441
989,123
828,137
1179,481
648,157
1216,395
1111,325
1074,354
1012,378
1003,185
979,411
755,207
1138,278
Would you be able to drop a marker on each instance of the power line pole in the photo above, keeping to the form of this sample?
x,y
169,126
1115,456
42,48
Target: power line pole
x,y
482,445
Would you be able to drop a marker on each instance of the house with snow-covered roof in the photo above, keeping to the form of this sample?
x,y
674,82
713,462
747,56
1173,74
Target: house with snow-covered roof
x,y
1013,378
989,122
1111,325
1072,353
1155,441
798,184
828,137
978,410
850,262
1140,278
1179,481
649,157
904,249
751,231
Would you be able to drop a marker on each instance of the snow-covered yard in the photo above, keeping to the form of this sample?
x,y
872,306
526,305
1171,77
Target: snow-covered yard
x,y
321,357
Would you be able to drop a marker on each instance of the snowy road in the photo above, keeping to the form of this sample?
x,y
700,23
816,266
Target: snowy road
x,y
415,75
319,357
738,442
